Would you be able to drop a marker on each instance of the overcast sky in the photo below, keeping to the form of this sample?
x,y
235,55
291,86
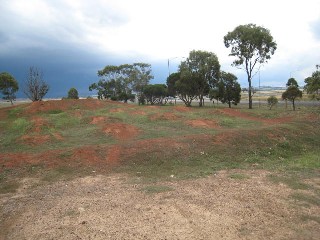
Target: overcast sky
x,y
70,40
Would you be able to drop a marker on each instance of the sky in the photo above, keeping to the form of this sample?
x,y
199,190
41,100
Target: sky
x,y
70,40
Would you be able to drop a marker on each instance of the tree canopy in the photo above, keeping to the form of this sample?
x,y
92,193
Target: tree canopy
x,y
252,46
197,74
155,93
8,86
229,90
292,82
73,93
119,82
313,85
291,94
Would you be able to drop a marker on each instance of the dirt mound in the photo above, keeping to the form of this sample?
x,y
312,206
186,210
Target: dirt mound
x,y
98,120
121,131
182,109
163,116
63,105
203,123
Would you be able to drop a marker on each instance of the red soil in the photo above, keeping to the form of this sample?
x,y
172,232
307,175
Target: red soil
x,y
203,123
45,106
164,116
121,131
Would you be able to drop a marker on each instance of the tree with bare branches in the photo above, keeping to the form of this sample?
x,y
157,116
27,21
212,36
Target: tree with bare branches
x,y
36,88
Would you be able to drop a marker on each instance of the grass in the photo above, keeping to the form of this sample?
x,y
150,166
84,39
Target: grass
x,y
239,176
152,189
246,144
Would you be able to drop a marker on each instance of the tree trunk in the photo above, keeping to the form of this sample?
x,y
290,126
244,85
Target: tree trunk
x,y
201,101
229,104
294,107
250,96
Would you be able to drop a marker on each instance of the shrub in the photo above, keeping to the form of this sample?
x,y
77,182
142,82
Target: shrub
x,y
73,94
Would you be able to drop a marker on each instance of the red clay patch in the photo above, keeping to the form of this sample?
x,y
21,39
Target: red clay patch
x,y
113,155
203,123
182,109
164,116
121,131
62,105
98,120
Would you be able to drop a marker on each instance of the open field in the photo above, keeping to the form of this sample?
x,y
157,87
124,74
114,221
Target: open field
x,y
89,169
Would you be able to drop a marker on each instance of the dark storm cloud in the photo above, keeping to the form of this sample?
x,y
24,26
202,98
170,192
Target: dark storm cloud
x,y
56,46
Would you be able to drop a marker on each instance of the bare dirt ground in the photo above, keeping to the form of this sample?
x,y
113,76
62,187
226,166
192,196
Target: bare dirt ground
x,y
114,207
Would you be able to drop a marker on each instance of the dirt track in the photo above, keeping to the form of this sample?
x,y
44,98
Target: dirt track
x,y
114,207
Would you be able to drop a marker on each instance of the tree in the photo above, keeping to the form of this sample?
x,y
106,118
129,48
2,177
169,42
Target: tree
x,y
252,46
119,82
292,82
272,101
8,86
171,81
36,88
155,93
313,85
186,89
229,89
291,94
73,93
202,69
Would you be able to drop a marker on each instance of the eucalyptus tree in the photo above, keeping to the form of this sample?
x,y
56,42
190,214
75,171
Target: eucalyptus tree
x,y
252,46
291,94
313,84
229,90
8,86
120,82
198,73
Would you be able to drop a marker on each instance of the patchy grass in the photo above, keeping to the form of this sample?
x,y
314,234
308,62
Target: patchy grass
x,y
152,189
239,176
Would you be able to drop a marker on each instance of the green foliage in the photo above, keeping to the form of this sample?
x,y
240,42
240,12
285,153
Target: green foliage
x,y
36,88
155,93
200,71
313,85
73,93
272,101
291,94
229,90
8,86
251,45
171,81
292,82
118,82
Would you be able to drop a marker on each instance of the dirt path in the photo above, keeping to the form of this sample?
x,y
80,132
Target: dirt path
x,y
114,207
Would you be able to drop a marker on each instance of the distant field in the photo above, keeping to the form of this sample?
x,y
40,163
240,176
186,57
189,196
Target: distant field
x,y
158,163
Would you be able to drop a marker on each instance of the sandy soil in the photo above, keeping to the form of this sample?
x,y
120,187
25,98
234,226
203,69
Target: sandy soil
x,y
115,207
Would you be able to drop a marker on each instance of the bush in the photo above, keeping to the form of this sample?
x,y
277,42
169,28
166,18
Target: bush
x,y
73,94
272,101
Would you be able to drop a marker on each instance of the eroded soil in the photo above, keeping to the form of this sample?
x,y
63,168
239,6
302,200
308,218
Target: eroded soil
x,y
119,207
